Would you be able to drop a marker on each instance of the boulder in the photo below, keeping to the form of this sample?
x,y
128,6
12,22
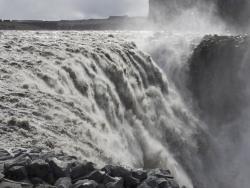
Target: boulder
x,y
37,181
40,169
96,175
64,182
85,184
59,168
140,174
154,182
16,173
82,170
173,184
131,182
4,183
117,183
116,171
160,173
1,176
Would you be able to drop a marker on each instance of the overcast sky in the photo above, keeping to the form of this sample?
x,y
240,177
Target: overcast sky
x,y
70,9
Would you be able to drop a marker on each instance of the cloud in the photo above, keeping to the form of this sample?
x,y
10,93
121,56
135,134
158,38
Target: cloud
x,y
70,9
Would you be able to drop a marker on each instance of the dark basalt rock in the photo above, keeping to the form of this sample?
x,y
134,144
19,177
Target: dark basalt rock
x,y
82,170
16,173
117,171
218,77
40,169
63,182
140,174
47,170
11,184
117,183
160,173
131,182
59,168
154,182
85,184
96,175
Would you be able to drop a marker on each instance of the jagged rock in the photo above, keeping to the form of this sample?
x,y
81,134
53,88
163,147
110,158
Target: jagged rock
x,y
4,155
16,173
131,182
4,183
82,170
116,171
36,181
85,184
1,176
47,170
59,168
40,169
108,179
153,182
160,173
63,182
140,174
117,183
96,175
174,184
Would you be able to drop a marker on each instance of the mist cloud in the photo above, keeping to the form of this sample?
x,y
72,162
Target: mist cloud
x,y
70,9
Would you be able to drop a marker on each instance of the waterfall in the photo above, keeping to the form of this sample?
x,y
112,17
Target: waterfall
x,y
138,99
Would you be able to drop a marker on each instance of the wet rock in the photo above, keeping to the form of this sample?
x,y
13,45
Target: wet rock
x,y
1,176
43,170
140,174
59,168
97,176
174,184
154,182
131,182
117,171
82,170
16,173
117,183
4,155
40,169
108,179
63,182
12,184
160,173
36,181
85,184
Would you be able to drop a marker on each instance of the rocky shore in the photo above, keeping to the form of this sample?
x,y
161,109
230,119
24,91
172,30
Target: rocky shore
x,y
27,168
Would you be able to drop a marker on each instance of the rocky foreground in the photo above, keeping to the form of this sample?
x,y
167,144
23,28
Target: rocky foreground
x,y
27,168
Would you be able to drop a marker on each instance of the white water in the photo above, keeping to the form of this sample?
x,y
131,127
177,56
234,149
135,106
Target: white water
x,y
97,96
93,95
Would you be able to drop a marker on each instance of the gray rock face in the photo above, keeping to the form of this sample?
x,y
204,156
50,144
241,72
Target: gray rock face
x,y
219,69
